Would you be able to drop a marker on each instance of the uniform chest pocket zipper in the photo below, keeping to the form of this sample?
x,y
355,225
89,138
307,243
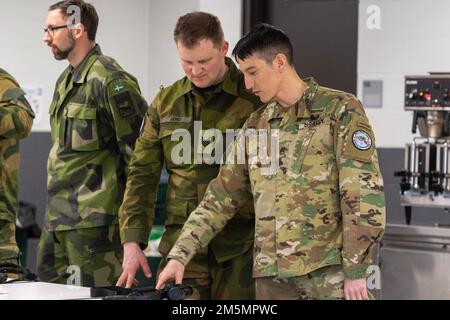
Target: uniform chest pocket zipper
x,y
300,148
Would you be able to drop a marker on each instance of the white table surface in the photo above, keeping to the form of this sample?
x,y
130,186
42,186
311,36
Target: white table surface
x,y
42,291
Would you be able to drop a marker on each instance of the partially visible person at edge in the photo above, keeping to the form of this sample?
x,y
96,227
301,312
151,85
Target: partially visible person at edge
x,y
16,120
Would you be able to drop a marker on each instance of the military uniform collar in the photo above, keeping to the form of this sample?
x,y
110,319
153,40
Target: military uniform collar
x,y
306,103
80,72
229,84
301,109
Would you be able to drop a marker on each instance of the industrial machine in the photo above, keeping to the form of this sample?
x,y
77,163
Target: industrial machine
x,y
426,175
414,259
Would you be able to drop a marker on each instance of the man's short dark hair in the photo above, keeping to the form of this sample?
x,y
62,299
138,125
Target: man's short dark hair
x,y
266,41
89,17
193,27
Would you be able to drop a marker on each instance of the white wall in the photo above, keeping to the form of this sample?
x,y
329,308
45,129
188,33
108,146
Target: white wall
x,y
230,14
414,39
164,67
137,33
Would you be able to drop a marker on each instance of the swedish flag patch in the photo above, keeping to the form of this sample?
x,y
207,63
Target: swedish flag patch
x,y
119,88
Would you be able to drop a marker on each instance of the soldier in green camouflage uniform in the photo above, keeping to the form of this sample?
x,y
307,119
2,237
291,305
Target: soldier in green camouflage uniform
x,y
319,203
16,119
216,100
95,117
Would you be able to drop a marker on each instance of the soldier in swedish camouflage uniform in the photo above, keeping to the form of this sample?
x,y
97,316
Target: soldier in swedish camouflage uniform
x,y
211,96
319,203
16,119
95,117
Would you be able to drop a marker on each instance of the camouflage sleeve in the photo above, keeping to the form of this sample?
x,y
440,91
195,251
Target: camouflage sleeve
x,y
127,108
223,198
361,189
16,115
137,211
9,251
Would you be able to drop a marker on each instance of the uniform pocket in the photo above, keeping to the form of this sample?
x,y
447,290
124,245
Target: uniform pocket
x,y
176,139
82,127
167,129
314,148
300,148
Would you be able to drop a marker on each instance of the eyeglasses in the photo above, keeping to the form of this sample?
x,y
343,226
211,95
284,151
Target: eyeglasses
x,y
51,29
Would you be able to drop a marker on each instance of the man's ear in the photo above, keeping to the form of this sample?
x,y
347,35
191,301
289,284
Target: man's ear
x,y
78,30
224,48
280,62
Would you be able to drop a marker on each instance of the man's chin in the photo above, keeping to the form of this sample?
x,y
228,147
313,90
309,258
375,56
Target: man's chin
x,y
58,57
201,84
263,100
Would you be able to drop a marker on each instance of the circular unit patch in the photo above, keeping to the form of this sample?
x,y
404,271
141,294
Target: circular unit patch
x,y
362,140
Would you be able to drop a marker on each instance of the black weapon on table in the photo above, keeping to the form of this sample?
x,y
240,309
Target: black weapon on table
x,y
23,273
170,292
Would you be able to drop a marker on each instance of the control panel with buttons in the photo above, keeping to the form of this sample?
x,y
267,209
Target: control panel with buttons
x,y
427,92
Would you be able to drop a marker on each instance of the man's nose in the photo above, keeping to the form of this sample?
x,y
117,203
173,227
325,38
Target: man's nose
x,y
47,37
196,70
248,83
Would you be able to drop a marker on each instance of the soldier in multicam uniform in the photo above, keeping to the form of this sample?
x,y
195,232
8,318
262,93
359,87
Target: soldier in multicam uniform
x,y
213,96
16,119
320,207
95,117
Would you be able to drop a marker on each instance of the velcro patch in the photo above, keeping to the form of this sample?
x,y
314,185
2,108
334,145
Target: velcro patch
x,y
124,104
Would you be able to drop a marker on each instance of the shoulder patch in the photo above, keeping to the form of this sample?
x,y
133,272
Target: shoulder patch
x,y
361,140
124,104
119,88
